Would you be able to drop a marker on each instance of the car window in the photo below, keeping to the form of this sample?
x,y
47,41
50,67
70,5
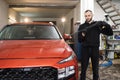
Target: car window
x,y
29,32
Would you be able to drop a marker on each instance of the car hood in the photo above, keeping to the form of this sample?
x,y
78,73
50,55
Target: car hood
x,y
22,49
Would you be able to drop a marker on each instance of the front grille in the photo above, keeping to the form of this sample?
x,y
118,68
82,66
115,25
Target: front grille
x,y
34,73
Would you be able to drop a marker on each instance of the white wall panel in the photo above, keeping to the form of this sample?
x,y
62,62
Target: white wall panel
x,y
3,13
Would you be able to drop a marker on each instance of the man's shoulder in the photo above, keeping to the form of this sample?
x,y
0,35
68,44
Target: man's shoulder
x,y
81,26
94,22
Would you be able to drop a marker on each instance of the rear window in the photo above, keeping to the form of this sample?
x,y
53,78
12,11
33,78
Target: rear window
x,y
29,32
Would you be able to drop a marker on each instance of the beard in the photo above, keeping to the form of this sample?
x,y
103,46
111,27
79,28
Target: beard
x,y
88,20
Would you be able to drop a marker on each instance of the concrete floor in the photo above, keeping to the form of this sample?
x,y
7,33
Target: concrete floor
x,y
107,73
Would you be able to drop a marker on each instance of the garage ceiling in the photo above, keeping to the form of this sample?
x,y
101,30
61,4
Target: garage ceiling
x,y
42,8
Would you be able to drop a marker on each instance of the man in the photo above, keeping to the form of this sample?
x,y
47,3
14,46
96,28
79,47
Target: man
x,y
88,36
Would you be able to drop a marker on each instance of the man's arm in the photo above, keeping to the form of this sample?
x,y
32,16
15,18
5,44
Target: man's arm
x,y
81,34
105,28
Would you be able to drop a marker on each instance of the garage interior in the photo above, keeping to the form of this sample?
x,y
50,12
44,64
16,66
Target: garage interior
x,y
12,11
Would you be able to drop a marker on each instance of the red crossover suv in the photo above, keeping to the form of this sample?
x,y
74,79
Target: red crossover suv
x,y
35,51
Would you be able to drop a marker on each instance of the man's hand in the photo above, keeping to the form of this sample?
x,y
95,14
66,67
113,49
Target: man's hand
x,y
83,34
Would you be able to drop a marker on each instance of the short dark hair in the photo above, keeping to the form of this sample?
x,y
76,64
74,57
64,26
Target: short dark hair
x,y
88,11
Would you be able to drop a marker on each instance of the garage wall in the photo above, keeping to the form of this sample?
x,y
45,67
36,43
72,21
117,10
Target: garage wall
x,y
69,16
13,16
76,17
117,3
99,14
75,14
3,13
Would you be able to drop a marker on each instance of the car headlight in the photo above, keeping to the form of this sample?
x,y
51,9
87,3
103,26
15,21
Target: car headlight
x,y
67,59
66,72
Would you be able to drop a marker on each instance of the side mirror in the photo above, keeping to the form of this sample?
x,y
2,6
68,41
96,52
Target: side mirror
x,y
67,36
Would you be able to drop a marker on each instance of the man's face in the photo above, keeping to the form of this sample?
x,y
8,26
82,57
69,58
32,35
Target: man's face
x,y
88,16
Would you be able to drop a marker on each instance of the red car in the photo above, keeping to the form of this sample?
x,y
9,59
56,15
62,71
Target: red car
x,y
35,51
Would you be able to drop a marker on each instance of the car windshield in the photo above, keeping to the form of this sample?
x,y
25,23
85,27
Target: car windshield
x,y
29,32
